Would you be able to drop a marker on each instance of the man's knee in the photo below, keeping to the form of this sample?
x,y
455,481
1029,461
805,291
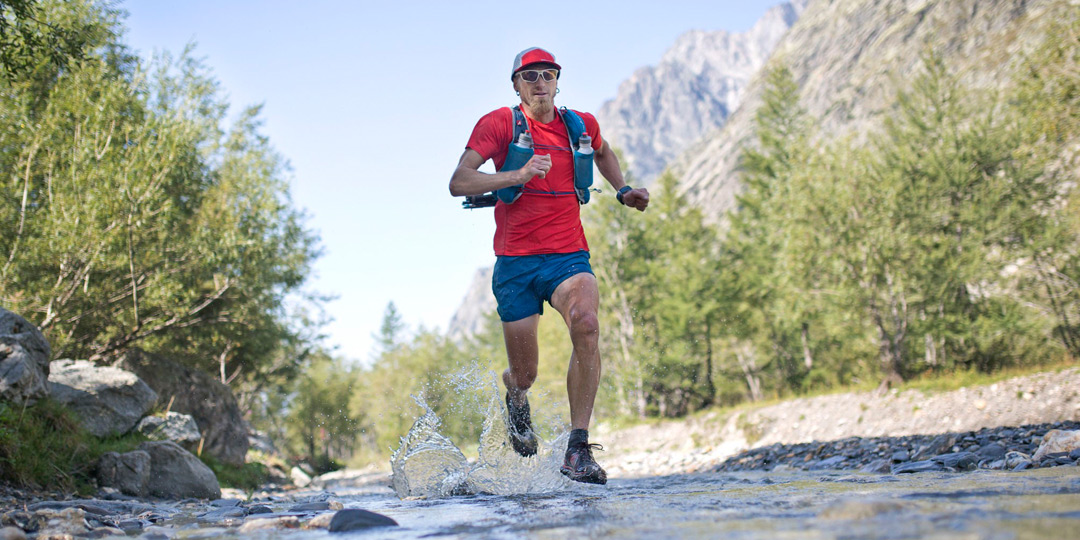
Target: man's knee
x,y
522,376
584,324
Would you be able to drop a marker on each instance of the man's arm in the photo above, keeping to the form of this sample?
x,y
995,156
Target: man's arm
x,y
468,180
608,164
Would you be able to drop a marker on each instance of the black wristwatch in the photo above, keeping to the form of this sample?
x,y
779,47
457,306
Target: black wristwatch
x,y
622,192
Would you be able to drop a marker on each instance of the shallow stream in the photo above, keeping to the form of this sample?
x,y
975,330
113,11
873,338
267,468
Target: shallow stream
x,y
1043,503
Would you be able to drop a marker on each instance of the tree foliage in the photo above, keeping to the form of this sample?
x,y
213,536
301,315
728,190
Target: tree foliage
x,y
130,217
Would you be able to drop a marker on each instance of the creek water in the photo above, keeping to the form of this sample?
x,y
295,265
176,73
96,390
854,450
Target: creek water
x,y
1043,503
437,493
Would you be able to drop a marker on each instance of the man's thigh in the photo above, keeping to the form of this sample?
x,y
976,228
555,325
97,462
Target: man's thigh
x,y
576,293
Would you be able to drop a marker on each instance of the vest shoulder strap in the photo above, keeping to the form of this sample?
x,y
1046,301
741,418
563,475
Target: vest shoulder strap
x,y
575,126
521,125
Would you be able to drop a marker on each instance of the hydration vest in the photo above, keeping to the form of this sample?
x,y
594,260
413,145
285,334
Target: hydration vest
x,y
582,163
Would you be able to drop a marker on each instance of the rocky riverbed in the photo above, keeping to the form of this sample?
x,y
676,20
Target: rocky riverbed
x,y
767,452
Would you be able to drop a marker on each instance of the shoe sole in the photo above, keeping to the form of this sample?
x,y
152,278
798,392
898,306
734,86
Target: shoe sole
x,y
584,479
524,446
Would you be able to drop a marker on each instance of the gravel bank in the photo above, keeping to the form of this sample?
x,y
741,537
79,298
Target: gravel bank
x,y
1034,404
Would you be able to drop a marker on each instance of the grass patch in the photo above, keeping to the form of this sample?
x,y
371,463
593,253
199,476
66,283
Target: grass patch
x,y
247,477
42,446
956,380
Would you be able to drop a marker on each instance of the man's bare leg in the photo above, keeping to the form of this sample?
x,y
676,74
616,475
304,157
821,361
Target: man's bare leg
x,y
578,300
523,355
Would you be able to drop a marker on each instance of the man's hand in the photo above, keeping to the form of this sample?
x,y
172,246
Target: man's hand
x,y
636,198
538,165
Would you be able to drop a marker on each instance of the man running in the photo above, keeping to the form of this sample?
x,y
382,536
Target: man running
x,y
541,250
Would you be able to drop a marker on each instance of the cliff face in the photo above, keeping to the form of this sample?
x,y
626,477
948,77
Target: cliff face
x,y
662,110
468,320
848,56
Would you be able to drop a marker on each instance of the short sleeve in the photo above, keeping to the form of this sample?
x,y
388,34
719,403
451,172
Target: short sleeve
x,y
491,134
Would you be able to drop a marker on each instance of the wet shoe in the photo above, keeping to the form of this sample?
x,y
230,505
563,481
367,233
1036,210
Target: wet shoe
x,y
580,466
522,437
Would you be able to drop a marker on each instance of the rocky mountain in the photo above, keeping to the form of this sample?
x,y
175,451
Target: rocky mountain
x,y
848,56
468,320
662,110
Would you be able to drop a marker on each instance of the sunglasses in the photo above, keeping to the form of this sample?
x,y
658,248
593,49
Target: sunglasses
x,y
532,75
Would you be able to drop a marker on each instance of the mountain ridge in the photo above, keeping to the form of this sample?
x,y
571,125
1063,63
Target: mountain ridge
x,y
661,110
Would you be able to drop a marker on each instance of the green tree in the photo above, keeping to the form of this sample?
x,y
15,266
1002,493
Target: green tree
x,y
321,426
28,37
132,219
769,316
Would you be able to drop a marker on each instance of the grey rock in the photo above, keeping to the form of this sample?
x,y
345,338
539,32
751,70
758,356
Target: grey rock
x,y
175,473
917,466
354,519
311,507
108,401
828,463
992,451
24,360
12,533
221,514
129,472
109,507
195,393
131,525
226,503
939,445
1075,454
1022,466
177,427
259,509
958,461
900,456
1012,459
104,532
877,466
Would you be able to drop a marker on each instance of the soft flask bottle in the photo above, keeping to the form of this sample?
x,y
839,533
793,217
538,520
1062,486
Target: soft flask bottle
x,y
516,157
583,166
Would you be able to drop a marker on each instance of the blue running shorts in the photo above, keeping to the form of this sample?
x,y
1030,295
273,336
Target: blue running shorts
x,y
522,284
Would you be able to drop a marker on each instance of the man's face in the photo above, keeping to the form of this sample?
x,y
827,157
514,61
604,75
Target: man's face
x,y
540,94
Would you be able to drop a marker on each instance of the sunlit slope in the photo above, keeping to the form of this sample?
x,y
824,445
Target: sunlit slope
x,y
849,56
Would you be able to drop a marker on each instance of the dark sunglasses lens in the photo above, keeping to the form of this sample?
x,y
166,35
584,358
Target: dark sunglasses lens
x,y
530,76
549,75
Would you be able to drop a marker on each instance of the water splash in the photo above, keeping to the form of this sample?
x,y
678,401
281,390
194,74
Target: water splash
x,y
429,465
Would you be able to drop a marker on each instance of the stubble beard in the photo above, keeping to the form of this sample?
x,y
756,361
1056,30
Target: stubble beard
x,y
543,105
540,105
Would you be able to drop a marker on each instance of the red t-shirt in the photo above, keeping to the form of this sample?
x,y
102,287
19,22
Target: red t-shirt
x,y
536,223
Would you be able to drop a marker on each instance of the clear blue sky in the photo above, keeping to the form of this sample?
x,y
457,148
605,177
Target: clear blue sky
x,y
372,103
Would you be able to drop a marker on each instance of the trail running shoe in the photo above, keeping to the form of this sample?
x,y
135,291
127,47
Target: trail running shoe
x,y
522,437
580,466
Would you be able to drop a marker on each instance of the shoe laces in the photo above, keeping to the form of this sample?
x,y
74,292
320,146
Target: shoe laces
x,y
587,448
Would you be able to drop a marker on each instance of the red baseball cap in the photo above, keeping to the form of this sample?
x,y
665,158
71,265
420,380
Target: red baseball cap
x,y
533,55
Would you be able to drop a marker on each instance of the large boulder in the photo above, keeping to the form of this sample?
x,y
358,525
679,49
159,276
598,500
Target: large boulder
x,y
176,427
129,472
198,394
24,360
176,473
108,400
